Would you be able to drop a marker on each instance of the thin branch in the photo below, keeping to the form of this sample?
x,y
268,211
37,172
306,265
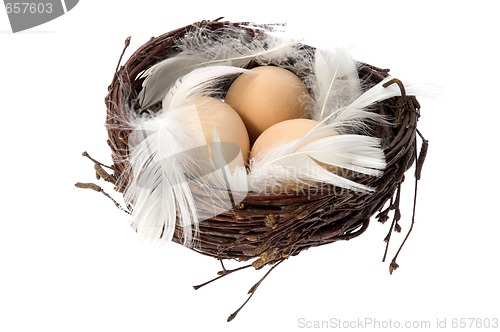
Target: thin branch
x,y
253,290
221,274
393,266
85,154
421,156
395,219
127,43
97,188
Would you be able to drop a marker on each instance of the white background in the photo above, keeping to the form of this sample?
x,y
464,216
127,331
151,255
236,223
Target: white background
x,y
70,262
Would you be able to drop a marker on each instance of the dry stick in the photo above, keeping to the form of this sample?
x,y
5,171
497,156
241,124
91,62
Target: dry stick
x,y
382,216
421,156
127,43
395,219
101,173
252,291
95,187
221,274
397,213
85,154
402,100
393,266
420,161
99,170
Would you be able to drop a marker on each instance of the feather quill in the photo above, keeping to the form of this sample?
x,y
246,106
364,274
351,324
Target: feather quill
x,y
168,154
203,48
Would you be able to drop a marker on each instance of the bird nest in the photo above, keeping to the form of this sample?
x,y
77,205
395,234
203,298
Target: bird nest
x,y
267,228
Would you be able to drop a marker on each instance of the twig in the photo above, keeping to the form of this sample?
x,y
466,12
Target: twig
x,y
97,188
127,43
99,170
397,216
253,290
421,156
402,100
393,266
221,274
85,154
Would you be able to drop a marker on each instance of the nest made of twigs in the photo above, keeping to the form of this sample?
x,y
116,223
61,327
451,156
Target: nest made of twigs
x,y
268,228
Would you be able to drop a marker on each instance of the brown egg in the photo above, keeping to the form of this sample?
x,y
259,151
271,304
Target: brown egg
x,y
216,114
267,95
287,131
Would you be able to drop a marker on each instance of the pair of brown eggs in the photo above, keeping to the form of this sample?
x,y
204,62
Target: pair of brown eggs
x,y
264,107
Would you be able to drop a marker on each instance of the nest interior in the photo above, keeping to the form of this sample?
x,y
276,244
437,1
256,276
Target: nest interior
x,y
272,227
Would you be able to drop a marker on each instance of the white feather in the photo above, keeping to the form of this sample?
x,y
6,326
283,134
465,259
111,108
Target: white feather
x,y
168,155
336,81
199,82
203,47
285,164
226,181
355,117
353,152
158,79
159,191
229,173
